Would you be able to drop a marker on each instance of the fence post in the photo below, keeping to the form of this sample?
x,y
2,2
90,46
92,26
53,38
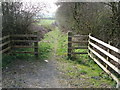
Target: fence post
x,y
108,50
69,44
11,44
36,45
88,42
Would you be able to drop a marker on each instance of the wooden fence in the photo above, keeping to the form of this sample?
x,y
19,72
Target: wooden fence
x,y
71,47
30,39
98,54
95,53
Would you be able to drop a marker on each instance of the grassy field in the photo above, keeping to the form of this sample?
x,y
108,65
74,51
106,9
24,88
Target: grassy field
x,y
46,23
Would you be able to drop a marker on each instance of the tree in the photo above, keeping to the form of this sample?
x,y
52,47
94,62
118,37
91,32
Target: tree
x,y
96,18
18,16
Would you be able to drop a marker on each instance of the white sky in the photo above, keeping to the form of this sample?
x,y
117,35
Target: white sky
x,y
39,1
51,7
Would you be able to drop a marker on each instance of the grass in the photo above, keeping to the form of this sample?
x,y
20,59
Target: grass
x,y
93,75
46,23
44,50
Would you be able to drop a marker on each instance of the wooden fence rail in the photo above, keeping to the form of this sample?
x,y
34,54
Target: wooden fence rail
x,y
94,51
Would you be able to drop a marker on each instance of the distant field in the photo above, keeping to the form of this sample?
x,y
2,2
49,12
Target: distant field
x,y
46,22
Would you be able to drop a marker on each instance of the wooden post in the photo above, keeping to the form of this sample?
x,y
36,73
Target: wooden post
x,y
108,50
12,45
36,45
88,43
69,44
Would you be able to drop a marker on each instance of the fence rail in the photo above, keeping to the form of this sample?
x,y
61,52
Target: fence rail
x,y
24,35
105,44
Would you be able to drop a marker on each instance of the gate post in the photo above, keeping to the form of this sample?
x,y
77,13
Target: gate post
x,y
69,44
36,45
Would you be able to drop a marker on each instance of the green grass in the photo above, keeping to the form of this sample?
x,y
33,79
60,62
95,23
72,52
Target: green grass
x,y
44,50
7,59
46,23
11,57
74,70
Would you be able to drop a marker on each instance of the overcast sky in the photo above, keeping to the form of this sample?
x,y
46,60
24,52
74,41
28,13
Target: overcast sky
x,y
51,7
